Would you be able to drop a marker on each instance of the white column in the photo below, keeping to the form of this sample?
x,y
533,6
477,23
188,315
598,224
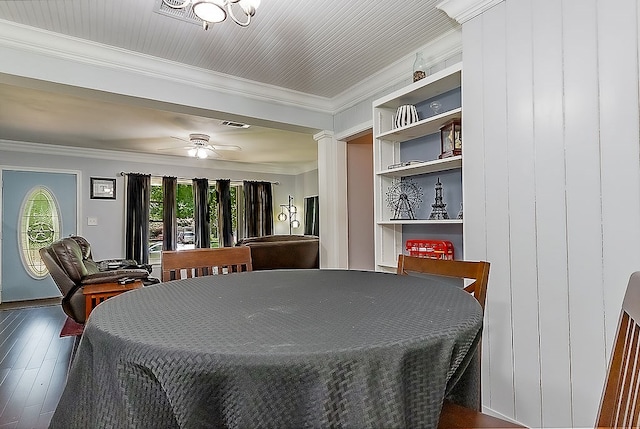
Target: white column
x,y
332,196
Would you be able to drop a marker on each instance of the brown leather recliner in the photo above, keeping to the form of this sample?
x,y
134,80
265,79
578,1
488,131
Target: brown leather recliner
x,y
71,268
106,264
272,252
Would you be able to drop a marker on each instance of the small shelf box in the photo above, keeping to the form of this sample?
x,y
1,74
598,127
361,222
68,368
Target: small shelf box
x,y
434,249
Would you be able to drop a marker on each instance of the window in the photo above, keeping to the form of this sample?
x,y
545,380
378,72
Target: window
x,y
236,198
185,218
39,227
155,221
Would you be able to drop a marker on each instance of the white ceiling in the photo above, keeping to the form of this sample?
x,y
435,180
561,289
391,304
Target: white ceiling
x,y
320,48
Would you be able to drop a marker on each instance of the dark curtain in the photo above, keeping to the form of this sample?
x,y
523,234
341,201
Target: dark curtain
x,y
258,209
225,226
201,213
137,220
311,216
169,213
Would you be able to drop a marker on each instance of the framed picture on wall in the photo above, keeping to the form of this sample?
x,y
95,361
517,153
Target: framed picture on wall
x,y
103,189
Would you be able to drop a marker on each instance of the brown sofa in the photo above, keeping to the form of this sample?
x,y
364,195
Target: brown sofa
x,y
272,252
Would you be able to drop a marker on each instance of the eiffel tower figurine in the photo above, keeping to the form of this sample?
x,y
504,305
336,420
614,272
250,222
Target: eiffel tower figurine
x,y
439,211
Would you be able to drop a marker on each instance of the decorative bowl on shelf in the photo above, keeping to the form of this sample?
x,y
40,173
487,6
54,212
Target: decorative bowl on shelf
x,y
406,115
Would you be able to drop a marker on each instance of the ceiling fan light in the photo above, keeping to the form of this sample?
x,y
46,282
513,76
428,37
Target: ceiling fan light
x,y
192,152
210,10
201,153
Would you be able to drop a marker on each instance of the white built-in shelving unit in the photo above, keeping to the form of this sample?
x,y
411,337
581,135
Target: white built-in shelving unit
x,y
417,147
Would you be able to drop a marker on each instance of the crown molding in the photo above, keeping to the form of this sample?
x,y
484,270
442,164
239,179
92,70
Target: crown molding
x,y
464,10
439,50
112,155
55,45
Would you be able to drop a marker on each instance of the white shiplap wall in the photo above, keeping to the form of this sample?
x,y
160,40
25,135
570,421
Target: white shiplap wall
x,y
552,196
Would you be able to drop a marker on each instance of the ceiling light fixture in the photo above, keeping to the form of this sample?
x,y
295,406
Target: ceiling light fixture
x,y
200,143
198,152
214,11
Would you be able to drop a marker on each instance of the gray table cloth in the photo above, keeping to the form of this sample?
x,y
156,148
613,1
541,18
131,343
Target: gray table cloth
x,y
274,349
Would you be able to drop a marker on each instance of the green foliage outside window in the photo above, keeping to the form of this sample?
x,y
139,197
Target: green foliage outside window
x,y
213,210
184,209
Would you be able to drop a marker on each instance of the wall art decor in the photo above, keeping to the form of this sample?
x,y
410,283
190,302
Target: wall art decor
x,y
103,189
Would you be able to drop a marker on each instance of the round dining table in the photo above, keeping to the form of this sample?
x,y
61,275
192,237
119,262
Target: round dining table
x,y
275,349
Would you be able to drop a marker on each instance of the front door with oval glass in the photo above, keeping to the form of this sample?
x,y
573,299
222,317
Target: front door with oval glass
x,y
37,209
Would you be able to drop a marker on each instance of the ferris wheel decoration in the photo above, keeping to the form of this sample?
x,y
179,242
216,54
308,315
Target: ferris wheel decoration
x,y
404,198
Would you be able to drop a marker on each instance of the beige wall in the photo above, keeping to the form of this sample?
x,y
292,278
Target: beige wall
x,y
360,203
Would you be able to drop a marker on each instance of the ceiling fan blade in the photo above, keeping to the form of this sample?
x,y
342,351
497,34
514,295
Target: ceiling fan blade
x,y
181,139
174,148
200,141
224,147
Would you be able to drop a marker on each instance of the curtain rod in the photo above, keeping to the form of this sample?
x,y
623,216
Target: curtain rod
x,y
123,173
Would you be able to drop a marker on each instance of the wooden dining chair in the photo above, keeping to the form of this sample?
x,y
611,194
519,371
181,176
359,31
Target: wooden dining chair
x,y
476,271
179,264
620,404
454,415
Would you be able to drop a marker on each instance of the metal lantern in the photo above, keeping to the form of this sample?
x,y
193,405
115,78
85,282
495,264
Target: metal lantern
x,y
451,139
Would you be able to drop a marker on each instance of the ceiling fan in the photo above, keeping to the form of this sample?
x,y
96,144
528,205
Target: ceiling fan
x,y
199,146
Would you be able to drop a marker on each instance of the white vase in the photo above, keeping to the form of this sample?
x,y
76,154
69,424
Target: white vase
x,y
405,115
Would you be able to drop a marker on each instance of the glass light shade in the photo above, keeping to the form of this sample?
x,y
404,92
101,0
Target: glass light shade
x,y
210,10
295,223
201,153
192,152
249,6
293,210
282,217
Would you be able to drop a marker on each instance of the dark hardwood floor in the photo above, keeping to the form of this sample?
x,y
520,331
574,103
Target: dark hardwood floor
x,y
34,362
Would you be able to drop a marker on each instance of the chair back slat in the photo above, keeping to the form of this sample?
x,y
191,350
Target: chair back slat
x,y
476,271
628,377
180,264
620,405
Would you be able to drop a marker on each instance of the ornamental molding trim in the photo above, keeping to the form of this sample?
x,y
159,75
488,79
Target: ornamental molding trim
x,y
464,10
36,41
143,158
445,47
33,45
